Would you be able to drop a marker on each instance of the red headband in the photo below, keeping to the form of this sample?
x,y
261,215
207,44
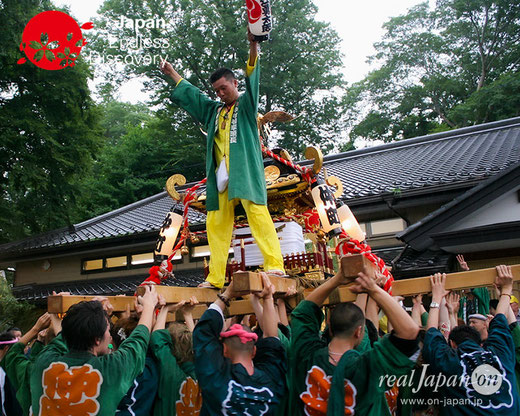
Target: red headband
x,y
236,330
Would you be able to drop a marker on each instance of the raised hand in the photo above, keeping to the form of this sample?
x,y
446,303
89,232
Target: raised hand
x,y
504,279
364,284
190,305
230,293
174,307
290,292
268,289
463,265
43,322
167,69
149,299
453,303
42,334
504,284
417,299
107,306
438,282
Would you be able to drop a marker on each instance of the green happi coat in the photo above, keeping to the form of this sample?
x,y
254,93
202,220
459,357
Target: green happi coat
x,y
353,386
173,377
82,383
246,167
18,368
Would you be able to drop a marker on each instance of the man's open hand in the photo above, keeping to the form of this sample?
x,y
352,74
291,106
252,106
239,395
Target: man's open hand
x,y
268,289
438,282
364,284
504,279
150,297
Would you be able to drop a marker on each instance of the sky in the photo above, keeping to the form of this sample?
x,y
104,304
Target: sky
x,y
358,23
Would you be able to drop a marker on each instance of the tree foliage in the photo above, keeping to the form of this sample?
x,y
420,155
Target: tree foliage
x,y
49,130
13,312
299,66
137,158
441,68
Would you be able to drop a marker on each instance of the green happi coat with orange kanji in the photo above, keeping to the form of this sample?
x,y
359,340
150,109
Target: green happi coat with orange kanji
x,y
246,167
79,383
179,391
353,386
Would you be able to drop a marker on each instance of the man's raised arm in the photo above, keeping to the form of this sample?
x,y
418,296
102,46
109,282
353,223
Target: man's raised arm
x,y
253,48
167,69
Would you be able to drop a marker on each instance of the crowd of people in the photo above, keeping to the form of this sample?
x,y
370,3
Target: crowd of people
x,y
373,356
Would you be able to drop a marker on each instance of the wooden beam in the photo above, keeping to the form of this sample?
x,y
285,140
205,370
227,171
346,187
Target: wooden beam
x,y
454,281
339,295
249,282
239,307
236,307
178,316
175,294
352,265
62,303
422,285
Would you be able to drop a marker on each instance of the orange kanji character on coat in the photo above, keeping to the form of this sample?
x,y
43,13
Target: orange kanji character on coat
x,y
391,398
317,394
70,391
190,400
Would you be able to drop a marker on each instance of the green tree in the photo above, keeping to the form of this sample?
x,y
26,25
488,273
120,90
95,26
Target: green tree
x,y
136,159
300,65
440,68
49,129
13,312
118,117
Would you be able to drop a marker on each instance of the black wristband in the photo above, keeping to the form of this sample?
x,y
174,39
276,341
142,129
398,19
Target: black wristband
x,y
223,299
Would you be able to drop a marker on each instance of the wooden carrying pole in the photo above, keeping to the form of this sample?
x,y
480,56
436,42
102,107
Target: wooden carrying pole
x,y
62,303
236,307
249,282
422,285
176,294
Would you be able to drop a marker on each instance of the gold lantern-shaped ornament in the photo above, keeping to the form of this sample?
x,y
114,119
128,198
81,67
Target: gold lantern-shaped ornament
x,y
326,207
349,222
168,232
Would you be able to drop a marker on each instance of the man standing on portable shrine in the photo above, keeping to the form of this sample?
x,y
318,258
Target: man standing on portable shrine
x,y
234,163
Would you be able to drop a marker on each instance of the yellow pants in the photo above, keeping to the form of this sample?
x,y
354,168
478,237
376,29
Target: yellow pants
x,y
219,225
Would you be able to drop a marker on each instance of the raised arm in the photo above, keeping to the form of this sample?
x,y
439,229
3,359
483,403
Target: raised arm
x,y
504,283
187,312
269,323
167,69
323,291
282,310
416,309
160,322
372,312
148,301
43,322
453,304
438,281
402,323
253,48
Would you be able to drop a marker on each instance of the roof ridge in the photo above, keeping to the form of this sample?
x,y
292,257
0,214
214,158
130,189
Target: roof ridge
x,y
486,183
449,134
125,208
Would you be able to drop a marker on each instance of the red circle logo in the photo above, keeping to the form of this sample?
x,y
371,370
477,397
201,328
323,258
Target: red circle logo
x,y
53,40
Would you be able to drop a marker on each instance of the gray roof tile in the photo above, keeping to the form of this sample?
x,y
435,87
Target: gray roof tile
x,y
107,287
